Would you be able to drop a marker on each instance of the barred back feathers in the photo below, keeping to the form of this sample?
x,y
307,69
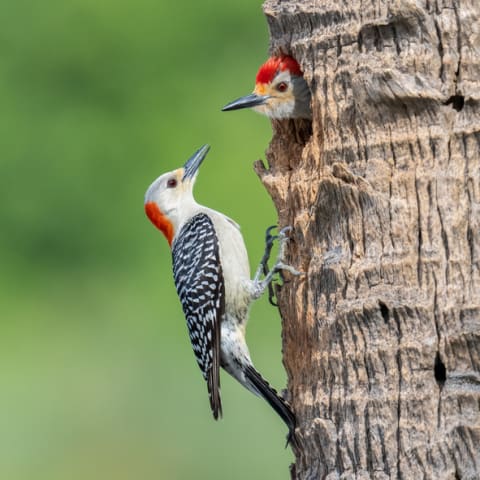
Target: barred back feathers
x,y
198,277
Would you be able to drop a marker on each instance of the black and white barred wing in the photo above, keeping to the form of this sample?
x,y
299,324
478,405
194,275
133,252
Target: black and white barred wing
x,y
199,280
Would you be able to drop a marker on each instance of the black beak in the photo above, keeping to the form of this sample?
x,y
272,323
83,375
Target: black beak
x,y
252,100
191,165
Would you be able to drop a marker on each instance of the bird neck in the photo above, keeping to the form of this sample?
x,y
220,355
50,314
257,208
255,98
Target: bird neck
x,y
302,108
160,220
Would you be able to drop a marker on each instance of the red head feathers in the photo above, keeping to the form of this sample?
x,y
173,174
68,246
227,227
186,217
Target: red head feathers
x,y
266,73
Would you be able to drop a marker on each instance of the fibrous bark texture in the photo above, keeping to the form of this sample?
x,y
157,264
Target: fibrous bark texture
x,y
382,333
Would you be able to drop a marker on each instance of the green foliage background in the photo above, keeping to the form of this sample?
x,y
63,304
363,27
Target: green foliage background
x,y
98,379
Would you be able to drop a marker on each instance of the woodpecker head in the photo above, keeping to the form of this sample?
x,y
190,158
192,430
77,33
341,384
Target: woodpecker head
x,y
170,196
280,91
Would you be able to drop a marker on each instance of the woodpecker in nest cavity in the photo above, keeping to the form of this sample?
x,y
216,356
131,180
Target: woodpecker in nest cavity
x,y
280,91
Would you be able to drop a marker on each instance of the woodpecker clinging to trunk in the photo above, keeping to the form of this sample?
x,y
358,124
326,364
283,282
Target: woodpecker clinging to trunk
x,y
280,91
212,276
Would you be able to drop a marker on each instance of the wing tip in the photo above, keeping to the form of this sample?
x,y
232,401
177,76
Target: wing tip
x,y
213,384
216,409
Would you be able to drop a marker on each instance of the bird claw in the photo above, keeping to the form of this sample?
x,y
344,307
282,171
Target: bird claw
x,y
269,239
268,236
279,266
283,232
272,295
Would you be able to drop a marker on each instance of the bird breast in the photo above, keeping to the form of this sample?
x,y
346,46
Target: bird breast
x,y
235,264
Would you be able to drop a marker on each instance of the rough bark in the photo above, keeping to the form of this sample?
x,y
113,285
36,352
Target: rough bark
x,y
382,333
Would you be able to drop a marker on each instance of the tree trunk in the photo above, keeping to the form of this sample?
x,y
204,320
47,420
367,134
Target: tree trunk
x,y
382,333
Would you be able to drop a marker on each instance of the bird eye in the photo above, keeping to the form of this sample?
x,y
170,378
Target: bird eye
x,y
172,183
282,87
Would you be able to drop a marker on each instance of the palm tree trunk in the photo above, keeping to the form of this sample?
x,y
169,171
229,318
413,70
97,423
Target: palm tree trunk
x,y
382,333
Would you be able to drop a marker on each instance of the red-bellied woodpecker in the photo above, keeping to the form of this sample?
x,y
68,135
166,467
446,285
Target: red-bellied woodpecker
x,y
280,91
212,277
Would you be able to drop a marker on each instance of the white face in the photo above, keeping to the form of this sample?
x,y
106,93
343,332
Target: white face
x,y
169,192
289,97
281,103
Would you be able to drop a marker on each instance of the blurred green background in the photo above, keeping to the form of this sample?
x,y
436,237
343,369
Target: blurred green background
x,y
98,379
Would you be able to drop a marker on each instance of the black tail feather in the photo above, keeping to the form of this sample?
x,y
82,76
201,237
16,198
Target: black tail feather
x,y
273,399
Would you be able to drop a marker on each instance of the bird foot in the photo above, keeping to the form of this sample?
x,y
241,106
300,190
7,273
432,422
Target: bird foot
x,y
278,267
